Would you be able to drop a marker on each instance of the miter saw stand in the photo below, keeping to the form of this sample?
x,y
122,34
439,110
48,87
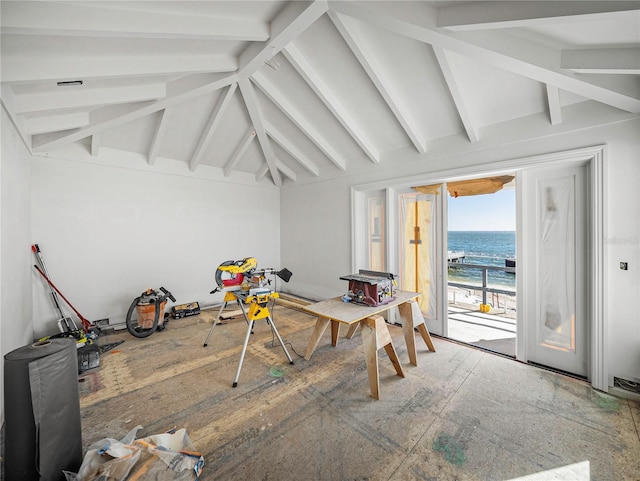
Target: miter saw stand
x,y
257,296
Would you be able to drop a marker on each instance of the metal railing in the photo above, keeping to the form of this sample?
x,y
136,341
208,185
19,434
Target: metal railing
x,y
485,275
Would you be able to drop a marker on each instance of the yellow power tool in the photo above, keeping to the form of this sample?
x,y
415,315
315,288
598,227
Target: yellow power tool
x,y
233,273
242,283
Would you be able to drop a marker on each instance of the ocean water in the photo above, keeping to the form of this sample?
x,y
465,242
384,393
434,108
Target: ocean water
x,y
486,248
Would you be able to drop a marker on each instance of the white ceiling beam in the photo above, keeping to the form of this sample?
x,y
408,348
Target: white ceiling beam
x,y
385,86
292,21
212,125
262,171
292,150
555,109
287,171
248,137
195,83
158,135
506,52
542,63
39,124
6,99
107,118
299,119
257,119
602,60
322,90
49,18
75,97
96,116
24,69
95,145
456,94
510,14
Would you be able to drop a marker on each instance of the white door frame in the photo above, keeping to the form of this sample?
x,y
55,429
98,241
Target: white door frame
x,y
595,158
597,330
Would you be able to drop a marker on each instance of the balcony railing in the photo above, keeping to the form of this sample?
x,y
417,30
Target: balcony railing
x,y
485,276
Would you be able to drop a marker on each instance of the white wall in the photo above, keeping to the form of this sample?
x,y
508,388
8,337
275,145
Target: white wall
x,y
108,232
315,220
622,243
16,325
316,238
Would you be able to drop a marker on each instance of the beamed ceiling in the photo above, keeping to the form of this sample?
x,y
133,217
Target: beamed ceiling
x,y
292,91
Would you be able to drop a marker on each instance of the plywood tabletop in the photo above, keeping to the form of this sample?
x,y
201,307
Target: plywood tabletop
x,y
350,312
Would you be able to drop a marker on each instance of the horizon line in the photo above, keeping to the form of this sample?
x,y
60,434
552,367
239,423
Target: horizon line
x,y
481,230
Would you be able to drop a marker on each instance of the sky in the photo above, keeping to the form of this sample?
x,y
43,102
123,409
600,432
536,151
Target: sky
x,y
483,212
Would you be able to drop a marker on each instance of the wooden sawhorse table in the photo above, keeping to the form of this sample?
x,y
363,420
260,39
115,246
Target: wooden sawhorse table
x,y
375,333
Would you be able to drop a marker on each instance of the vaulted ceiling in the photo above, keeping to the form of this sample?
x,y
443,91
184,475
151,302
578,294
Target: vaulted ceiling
x,y
290,90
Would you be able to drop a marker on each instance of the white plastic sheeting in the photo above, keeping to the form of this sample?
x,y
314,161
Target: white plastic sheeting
x,y
167,456
556,263
417,248
376,245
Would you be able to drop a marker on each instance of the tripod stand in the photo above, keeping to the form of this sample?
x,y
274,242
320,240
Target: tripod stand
x,y
228,297
258,310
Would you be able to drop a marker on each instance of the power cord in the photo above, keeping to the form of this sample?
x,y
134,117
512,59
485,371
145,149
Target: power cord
x,y
273,335
627,385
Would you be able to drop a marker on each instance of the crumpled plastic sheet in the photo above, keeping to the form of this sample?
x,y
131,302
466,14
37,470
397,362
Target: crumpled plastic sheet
x,y
161,457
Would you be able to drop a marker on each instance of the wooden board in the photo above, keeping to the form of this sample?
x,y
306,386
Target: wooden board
x,y
350,312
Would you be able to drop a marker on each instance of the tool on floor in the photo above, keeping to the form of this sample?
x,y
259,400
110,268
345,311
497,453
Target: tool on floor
x,y
87,353
185,310
88,357
86,324
110,345
66,325
38,254
242,283
149,308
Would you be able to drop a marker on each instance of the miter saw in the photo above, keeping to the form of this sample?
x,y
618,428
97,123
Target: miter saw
x,y
244,275
242,282
232,273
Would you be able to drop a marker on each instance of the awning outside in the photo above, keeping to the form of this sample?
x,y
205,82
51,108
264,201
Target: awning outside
x,y
461,188
488,185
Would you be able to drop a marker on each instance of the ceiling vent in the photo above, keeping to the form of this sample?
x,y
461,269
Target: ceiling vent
x,y
69,83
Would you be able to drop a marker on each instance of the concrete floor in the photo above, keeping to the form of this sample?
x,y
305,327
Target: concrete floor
x,y
461,414
489,331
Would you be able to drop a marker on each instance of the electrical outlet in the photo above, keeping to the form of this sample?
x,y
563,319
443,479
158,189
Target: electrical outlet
x,y
624,266
102,322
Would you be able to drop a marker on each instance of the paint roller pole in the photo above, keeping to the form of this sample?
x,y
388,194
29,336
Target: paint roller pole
x,y
86,324
36,250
